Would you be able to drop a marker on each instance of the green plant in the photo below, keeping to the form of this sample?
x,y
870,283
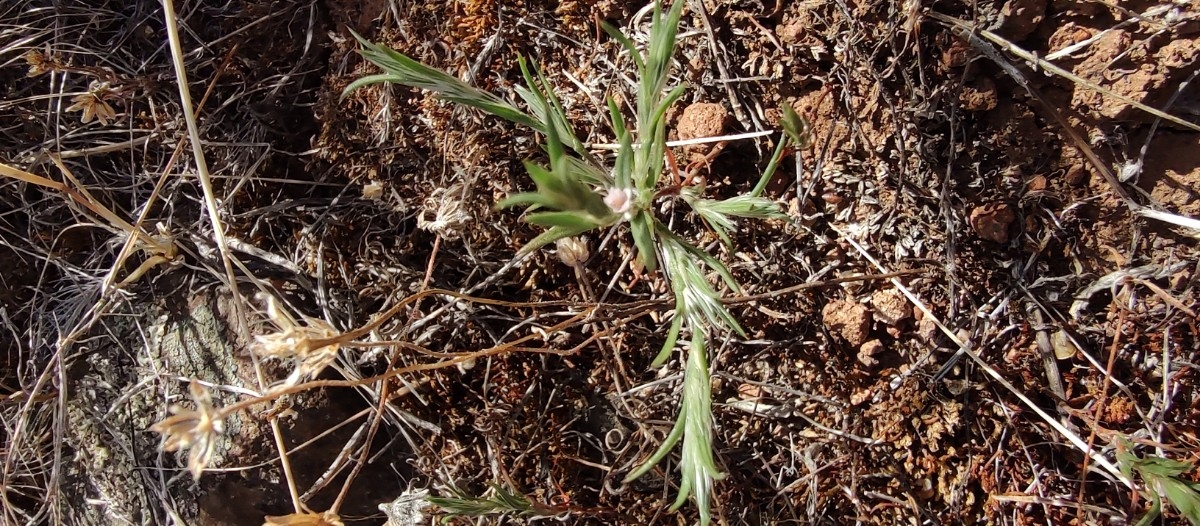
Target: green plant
x,y
502,502
1163,478
577,193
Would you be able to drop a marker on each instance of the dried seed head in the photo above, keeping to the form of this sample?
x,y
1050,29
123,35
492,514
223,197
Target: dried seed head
x,y
572,251
447,206
38,63
310,347
408,509
195,429
94,104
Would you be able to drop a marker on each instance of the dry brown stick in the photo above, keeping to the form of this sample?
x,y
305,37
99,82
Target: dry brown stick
x,y
1112,354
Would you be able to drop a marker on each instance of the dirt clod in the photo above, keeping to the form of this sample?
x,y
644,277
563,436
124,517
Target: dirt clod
x,y
850,319
979,95
1019,18
991,221
702,119
927,330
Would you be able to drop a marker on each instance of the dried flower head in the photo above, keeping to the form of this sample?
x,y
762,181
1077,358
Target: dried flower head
x,y
196,429
572,251
446,205
305,519
408,509
94,103
308,346
38,63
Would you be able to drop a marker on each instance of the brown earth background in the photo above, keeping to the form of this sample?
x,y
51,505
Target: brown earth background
x,y
846,404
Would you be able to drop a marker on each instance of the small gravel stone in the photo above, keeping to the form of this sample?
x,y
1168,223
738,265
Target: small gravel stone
x,y
867,352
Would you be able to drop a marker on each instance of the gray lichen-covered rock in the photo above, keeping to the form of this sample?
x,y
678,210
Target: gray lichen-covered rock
x,y
126,379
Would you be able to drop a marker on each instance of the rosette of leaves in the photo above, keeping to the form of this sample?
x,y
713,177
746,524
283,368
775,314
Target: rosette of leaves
x,y
576,193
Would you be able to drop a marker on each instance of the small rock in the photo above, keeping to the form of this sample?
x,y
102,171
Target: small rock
x,y
849,319
891,307
867,352
1037,183
991,221
927,330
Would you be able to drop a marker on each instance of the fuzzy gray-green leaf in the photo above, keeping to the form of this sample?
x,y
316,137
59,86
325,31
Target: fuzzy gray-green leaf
x,y
400,69
564,219
643,239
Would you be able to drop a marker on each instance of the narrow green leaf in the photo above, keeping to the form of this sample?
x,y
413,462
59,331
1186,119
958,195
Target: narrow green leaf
x,y
550,236
643,239
659,454
796,127
540,97
1184,497
526,199
697,467
718,215
588,172
623,165
672,336
564,219
629,46
400,69
652,152
771,168
369,80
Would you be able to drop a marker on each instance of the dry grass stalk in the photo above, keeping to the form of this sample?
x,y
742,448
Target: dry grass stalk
x,y
304,519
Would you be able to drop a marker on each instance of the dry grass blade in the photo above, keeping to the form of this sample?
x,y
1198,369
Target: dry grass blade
x,y
210,199
86,200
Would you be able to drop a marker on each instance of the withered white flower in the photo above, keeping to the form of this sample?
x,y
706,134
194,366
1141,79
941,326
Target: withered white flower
x,y
93,104
195,429
308,346
572,251
447,206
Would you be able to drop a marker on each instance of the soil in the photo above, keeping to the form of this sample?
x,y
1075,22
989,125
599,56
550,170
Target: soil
x,y
847,401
